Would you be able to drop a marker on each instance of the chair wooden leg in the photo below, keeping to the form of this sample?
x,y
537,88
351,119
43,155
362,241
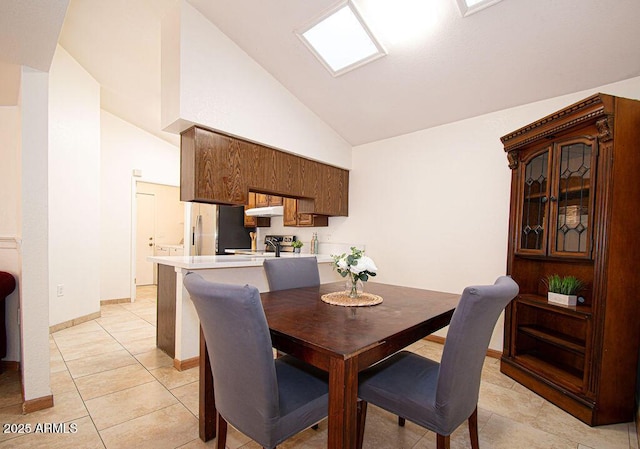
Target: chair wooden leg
x,y
362,419
473,429
222,432
443,442
401,421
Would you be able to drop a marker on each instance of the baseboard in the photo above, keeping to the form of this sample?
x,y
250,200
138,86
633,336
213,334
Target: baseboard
x,y
493,353
435,339
106,302
33,405
183,365
73,322
9,365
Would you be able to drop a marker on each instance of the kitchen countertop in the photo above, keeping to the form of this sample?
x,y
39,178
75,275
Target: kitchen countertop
x,y
226,261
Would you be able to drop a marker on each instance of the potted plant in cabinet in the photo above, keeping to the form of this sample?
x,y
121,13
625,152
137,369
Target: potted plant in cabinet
x,y
564,289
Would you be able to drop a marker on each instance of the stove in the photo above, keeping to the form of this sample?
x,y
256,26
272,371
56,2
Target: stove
x,y
285,242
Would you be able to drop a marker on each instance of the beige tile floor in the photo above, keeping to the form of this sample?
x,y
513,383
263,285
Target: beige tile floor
x,y
119,391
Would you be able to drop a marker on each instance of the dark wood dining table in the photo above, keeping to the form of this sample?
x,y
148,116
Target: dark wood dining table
x,y
340,340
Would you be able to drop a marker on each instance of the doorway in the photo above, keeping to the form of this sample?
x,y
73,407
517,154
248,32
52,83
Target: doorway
x,y
145,237
157,229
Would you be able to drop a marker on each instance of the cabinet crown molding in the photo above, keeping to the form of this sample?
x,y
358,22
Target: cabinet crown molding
x,y
587,110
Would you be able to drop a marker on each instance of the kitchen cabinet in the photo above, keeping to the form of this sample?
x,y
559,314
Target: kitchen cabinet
x,y
293,218
263,200
574,197
220,169
211,167
253,222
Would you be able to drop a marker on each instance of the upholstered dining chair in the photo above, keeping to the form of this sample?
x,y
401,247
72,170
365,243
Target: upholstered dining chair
x,y
440,396
294,272
268,400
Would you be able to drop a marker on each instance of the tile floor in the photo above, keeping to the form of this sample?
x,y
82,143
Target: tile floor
x,y
119,391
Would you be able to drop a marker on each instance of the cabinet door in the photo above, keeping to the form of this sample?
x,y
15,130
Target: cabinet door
x,y
250,222
275,200
290,212
533,203
262,200
305,220
572,198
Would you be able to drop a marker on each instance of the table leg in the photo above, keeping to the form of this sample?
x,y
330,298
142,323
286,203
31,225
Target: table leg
x,y
343,400
207,404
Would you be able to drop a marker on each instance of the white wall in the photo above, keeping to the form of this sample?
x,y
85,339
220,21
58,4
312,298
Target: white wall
x,y
34,284
74,189
10,218
125,148
432,206
221,87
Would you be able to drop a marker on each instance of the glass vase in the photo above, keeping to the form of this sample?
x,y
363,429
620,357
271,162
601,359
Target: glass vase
x,y
354,287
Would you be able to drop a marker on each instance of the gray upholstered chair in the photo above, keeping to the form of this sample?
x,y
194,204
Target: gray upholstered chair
x,y
294,272
441,396
268,400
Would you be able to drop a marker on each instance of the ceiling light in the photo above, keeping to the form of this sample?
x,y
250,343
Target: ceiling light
x,y
468,7
341,40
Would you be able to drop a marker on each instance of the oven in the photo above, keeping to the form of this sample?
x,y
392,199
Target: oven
x,y
285,242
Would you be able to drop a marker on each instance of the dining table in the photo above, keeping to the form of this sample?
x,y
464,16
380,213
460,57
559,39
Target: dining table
x,y
341,340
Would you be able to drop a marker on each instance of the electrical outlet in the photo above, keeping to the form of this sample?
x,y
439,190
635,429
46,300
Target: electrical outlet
x,y
60,289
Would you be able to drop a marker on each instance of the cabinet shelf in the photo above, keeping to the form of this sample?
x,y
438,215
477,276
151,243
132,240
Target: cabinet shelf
x,y
565,375
564,192
554,338
582,312
535,196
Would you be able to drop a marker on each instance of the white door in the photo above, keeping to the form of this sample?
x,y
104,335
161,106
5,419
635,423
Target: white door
x,y
145,237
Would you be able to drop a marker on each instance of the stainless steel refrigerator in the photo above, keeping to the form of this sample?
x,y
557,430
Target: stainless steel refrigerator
x,y
215,228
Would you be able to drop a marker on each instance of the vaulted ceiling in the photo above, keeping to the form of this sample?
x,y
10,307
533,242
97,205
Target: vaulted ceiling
x,y
440,67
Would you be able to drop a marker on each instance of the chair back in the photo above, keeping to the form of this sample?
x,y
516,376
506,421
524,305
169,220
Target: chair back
x,y
466,347
294,272
239,346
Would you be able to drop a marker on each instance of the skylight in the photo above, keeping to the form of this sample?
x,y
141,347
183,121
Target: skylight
x,y
468,7
341,40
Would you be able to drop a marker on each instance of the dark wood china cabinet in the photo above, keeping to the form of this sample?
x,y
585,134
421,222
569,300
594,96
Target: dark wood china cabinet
x,y
575,210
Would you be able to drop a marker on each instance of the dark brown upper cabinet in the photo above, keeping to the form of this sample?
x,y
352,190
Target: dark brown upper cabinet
x,y
221,169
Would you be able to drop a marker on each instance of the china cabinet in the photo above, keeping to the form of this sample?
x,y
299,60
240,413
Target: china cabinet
x,y
575,196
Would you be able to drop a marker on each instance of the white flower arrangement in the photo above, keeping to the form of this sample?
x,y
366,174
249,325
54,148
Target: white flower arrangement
x,y
356,265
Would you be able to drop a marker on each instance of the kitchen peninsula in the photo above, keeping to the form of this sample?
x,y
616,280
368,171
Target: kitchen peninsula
x,y
178,326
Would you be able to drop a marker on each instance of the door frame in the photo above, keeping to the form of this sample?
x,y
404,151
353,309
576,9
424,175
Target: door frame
x,y
134,226
136,273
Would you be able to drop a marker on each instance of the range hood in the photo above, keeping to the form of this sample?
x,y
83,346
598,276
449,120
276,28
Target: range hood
x,y
272,211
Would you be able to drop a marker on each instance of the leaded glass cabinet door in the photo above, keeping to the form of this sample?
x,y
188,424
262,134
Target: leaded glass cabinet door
x,y
534,202
572,198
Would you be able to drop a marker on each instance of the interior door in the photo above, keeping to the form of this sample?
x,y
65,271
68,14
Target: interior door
x,y
145,237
